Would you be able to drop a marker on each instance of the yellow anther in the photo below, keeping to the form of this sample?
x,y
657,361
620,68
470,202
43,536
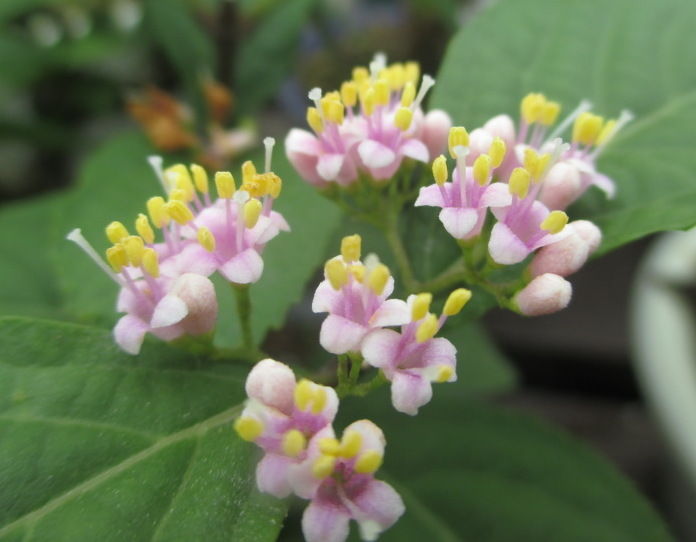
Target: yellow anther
x,y
440,172
206,238
178,176
587,128
248,171
607,132
427,329
458,137
444,373
314,120
200,178
248,428
179,195
224,183
397,76
142,226
336,273
421,305
150,262
482,169
319,401
497,152
333,95
349,93
178,211
554,222
367,99
329,446
518,185
117,258
274,184
549,113
408,95
456,301
134,249
412,72
368,462
402,118
155,208
536,164
358,271
323,466
381,88
252,212
360,74
350,247
116,231
532,106
350,444
332,109
255,188
293,443
378,277
304,393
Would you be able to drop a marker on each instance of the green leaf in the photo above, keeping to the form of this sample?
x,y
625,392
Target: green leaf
x,y
99,445
469,471
611,54
28,285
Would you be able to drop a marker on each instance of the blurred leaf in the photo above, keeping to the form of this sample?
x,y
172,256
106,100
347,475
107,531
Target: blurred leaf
x,y
266,58
469,471
617,60
99,445
28,284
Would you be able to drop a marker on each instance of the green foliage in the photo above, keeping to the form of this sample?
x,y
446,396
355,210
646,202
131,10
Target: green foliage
x,y
98,445
609,53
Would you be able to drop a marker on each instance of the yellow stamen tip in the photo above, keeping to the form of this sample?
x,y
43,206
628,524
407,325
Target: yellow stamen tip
x,y
142,226
549,113
178,176
368,462
178,211
381,92
206,238
224,183
293,443
607,132
456,301
200,178
116,231
532,106
332,109
408,94
378,277
402,118
440,173
458,137
117,258
304,393
349,93
351,247
482,169
358,271
497,152
135,247
412,72
421,305
248,429
323,466
444,373
319,399
155,208
554,222
427,329
360,73
518,185
336,273
252,212
150,262
368,101
350,444
587,128
329,446
314,120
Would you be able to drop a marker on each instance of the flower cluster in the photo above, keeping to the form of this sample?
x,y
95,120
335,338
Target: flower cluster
x,y
165,289
292,423
368,126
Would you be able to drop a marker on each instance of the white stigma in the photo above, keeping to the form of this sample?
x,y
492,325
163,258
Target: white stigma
x,y
379,62
156,162
241,197
268,143
426,84
76,237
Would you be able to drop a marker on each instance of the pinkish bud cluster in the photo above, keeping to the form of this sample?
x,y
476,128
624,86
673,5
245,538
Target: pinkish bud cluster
x,y
292,423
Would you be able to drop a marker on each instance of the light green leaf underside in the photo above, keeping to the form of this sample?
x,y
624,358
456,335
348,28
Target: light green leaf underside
x,y
619,54
98,445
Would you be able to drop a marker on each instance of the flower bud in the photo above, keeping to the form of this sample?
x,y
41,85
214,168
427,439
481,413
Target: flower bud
x,y
198,293
546,294
562,258
272,383
590,233
436,128
561,187
501,126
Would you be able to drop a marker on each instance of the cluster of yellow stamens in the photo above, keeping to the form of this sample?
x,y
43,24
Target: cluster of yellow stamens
x,y
130,250
484,164
349,447
420,311
535,108
340,270
591,129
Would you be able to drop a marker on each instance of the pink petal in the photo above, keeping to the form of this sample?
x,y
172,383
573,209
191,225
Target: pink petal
x,y
375,154
193,258
605,184
302,149
459,222
372,436
380,347
496,195
329,165
273,384
324,521
410,391
393,312
505,247
303,482
170,310
272,475
380,506
438,352
413,148
326,298
129,333
244,268
503,127
431,196
339,335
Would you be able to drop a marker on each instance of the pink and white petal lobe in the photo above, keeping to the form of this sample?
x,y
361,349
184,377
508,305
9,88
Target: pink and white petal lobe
x,y
459,222
302,480
372,436
413,148
375,155
339,335
303,149
393,312
192,259
410,391
331,408
380,507
272,475
438,352
324,521
329,165
505,247
430,196
326,299
243,268
605,184
496,195
380,348
129,333
170,310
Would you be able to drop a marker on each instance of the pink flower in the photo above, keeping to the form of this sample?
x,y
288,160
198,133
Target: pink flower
x,y
370,126
338,478
568,255
413,359
355,296
283,417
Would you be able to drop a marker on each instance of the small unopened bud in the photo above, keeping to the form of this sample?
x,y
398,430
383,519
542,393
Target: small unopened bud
x,y
198,293
546,294
436,126
590,233
562,258
272,383
562,186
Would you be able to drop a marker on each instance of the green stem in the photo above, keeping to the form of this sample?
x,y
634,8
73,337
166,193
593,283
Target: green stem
x,y
390,227
241,293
